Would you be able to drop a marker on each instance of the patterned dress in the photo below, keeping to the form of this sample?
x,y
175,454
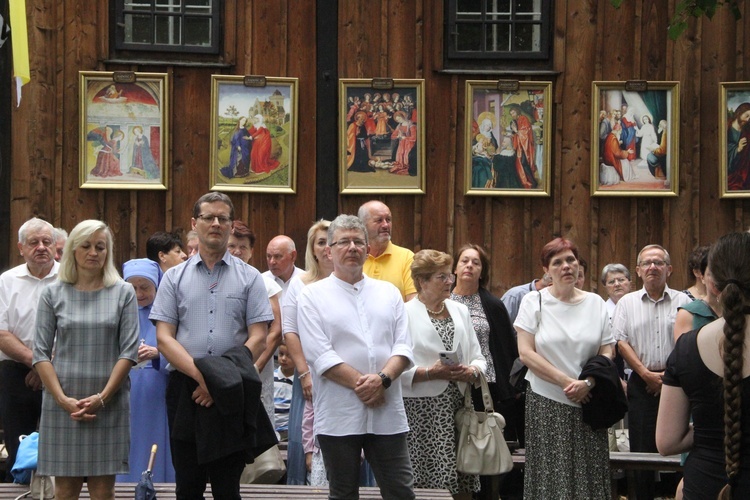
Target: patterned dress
x,y
432,432
90,332
481,327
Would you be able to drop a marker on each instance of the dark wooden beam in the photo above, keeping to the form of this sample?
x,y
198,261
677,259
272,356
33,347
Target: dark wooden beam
x,y
326,158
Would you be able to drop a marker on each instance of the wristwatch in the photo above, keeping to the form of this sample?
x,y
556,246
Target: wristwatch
x,y
588,383
386,380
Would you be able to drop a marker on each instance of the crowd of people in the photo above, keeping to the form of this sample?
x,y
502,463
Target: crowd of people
x,y
197,351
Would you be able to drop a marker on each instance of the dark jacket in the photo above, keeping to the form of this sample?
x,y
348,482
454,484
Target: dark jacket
x,y
503,345
236,421
608,403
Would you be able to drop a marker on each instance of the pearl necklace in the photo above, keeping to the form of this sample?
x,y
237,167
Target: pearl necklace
x,y
438,312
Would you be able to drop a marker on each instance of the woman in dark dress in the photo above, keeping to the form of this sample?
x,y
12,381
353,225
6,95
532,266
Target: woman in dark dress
x,y
497,341
707,377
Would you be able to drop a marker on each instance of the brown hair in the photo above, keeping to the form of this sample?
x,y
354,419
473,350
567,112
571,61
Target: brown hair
x,y
729,260
426,263
240,230
483,258
556,246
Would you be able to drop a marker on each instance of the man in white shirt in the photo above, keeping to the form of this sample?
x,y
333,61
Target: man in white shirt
x,y
281,253
642,326
20,386
354,332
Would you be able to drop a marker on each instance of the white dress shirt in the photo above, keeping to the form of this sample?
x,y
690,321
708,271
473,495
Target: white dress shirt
x,y
19,298
284,284
646,324
362,325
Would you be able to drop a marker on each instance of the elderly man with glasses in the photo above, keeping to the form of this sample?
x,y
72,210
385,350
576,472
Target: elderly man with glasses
x,y
354,331
642,326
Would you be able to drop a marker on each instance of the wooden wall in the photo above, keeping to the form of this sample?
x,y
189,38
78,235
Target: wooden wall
x,y
399,39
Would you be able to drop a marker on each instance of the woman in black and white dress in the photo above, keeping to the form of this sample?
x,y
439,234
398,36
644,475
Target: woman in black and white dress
x,y
433,390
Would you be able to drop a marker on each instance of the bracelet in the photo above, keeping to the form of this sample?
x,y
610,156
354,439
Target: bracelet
x,y
101,399
304,374
427,372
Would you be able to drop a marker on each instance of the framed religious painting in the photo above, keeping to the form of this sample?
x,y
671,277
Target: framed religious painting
x,y
635,138
124,130
734,139
254,134
381,136
507,138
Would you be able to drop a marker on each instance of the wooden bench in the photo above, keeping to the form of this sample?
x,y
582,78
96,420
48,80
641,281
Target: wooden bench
x,y
249,491
623,460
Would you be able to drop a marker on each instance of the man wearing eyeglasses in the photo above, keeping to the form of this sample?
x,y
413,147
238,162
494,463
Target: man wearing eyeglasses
x,y
386,261
355,336
642,326
209,307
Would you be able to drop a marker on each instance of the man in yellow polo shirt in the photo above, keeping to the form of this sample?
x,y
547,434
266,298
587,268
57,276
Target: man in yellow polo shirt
x,y
386,261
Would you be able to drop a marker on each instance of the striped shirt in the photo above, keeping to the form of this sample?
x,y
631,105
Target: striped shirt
x,y
646,325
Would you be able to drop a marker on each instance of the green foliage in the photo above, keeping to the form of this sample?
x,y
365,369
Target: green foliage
x,y
685,9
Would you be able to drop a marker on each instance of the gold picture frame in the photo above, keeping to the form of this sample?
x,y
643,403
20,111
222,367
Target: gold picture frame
x,y
635,138
734,152
507,133
254,134
124,130
381,136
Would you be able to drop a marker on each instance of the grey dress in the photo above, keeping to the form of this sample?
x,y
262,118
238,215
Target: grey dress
x,y
90,332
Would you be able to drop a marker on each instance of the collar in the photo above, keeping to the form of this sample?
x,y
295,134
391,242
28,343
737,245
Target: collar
x,y
388,250
196,259
356,287
666,294
24,271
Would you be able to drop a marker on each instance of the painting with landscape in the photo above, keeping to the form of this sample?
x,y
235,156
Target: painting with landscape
x,y
254,134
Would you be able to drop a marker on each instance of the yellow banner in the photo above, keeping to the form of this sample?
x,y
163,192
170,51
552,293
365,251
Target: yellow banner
x,y
20,41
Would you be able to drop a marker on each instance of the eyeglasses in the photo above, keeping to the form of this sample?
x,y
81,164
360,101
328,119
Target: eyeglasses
x,y
445,278
209,219
649,263
346,243
619,281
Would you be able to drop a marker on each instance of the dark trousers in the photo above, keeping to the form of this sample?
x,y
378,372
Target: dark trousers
x,y
642,411
190,476
20,408
388,456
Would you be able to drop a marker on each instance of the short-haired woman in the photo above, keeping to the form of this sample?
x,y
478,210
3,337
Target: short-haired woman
x,y
432,389
559,330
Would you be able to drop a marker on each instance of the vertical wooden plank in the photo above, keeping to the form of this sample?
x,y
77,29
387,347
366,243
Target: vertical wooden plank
x,y
190,153
77,39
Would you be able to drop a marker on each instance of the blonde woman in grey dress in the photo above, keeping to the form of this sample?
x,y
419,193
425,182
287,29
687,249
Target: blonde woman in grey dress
x,y
86,343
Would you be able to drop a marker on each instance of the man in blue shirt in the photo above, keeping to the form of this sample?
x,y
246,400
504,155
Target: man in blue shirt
x,y
206,306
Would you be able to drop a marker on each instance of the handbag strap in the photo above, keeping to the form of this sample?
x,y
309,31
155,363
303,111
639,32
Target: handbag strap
x,y
486,397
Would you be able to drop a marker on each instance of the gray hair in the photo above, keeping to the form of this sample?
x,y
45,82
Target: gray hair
x,y
364,210
346,222
60,234
614,268
34,224
667,258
